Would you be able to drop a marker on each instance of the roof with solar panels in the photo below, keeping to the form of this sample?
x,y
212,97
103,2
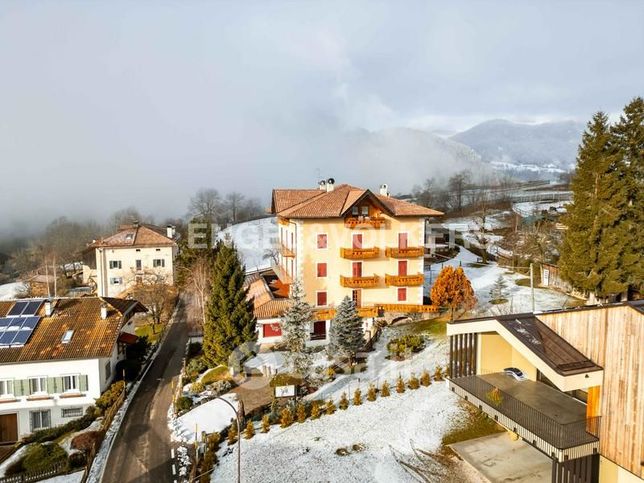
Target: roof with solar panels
x,y
62,329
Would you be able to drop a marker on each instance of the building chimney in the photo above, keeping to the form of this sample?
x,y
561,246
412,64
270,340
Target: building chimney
x,y
322,185
49,308
330,184
135,223
384,190
103,311
169,231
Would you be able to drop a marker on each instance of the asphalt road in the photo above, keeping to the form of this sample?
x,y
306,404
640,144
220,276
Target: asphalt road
x,y
141,450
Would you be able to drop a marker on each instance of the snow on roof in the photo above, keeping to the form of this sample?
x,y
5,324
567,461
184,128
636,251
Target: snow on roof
x,y
11,291
253,239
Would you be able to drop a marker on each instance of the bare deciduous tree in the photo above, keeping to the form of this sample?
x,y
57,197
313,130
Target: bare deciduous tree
x,y
206,205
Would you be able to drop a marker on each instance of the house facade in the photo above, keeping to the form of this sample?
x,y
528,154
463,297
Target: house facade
x,y
579,398
56,357
342,241
135,252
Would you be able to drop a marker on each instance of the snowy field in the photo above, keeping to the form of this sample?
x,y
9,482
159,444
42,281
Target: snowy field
x,y
213,416
253,239
482,278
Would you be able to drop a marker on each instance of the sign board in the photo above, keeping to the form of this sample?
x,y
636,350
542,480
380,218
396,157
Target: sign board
x,y
546,277
285,391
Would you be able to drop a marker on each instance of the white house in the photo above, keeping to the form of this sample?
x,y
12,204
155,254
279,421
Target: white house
x,y
134,252
57,357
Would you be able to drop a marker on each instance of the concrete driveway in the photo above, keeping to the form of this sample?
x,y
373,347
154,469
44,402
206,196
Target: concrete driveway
x,y
500,459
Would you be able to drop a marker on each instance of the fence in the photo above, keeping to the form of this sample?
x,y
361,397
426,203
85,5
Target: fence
x,y
55,470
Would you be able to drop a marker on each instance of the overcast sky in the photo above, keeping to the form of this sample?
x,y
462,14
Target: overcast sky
x,y
108,104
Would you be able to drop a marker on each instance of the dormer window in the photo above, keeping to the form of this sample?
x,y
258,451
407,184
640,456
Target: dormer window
x,y
67,336
129,237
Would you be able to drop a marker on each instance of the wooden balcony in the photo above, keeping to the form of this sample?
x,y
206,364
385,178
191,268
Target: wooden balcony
x,y
364,222
283,277
285,252
359,253
409,308
404,280
359,282
326,314
409,252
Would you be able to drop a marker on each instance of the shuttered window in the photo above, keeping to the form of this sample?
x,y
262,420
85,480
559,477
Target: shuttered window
x,y
40,419
321,299
6,387
38,385
321,270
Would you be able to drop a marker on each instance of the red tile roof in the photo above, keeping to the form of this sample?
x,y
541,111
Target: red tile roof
x,y
309,203
93,336
136,236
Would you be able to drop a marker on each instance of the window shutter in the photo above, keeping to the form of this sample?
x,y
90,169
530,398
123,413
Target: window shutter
x,y
19,387
83,382
58,382
52,387
27,387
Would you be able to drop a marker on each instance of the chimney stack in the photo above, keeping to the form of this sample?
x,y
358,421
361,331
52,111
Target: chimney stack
x,y
169,231
322,185
384,190
103,311
49,308
330,184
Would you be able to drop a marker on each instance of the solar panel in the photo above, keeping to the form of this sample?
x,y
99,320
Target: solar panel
x,y
18,308
16,331
7,337
15,323
32,307
4,322
21,337
30,322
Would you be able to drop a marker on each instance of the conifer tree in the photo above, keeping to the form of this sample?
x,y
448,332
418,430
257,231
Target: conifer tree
x,y
593,242
266,423
229,316
346,336
425,378
329,409
371,393
315,410
249,432
357,397
453,290
414,383
232,433
385,391
628,135
286,417
344,402
400,385
498,290
296,323
301,413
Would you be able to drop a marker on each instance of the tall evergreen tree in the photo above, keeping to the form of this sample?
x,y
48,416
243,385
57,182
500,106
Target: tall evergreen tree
x,y
628,136
296,326
229,316
346,336
590,255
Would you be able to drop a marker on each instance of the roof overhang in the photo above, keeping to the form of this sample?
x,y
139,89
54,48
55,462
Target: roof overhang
x,y
563,382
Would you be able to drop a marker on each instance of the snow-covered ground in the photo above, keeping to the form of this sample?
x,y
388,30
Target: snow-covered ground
x,y
483,277
213,416
254,239
9,291
11,459
531,208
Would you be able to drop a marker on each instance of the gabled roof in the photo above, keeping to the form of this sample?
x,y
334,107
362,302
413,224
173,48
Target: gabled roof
x,y
137,235
312,203
93,337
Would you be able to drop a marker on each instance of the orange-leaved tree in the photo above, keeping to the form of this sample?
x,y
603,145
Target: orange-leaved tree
x,y
453,290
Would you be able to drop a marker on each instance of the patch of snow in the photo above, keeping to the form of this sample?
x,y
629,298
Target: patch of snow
x,y
386,429
213,416
253,239
66,442
10,291
12,459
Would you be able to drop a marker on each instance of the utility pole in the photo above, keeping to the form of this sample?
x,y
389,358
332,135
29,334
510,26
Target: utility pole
x,y
532,284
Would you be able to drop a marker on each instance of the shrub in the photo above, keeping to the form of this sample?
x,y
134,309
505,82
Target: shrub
x,y
194,349
286,418
414,383
197,387
330,373
138,350
494,396
220,387
109,397
371,393
438,374
77,460
38,457
385,391
266,423
249,432
329,409
344,402
357,397
86,441
128,369
301,413
425,378
219,373
232,433
196,366
50,434
183,404
400,385
315,410
400,346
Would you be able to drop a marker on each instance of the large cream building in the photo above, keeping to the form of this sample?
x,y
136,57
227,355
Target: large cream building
x,y
342,241
136,251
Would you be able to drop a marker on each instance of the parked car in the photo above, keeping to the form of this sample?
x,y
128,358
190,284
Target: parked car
x,y
515,373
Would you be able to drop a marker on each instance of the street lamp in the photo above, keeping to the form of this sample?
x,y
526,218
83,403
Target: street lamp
x,y
238,422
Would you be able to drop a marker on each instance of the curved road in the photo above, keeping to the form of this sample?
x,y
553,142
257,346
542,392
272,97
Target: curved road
x,y
141,450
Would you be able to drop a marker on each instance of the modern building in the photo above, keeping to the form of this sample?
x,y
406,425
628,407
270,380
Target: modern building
x,y
56,357
567,382
342,241
135,252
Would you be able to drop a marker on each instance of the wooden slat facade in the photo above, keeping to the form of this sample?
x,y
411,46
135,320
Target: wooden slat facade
x,y
613,337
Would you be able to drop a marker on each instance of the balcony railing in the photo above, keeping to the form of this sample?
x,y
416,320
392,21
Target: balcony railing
x,y
319,336
359,282
359,253
326,314
409,252
364,222
521,416
285,252
404,280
